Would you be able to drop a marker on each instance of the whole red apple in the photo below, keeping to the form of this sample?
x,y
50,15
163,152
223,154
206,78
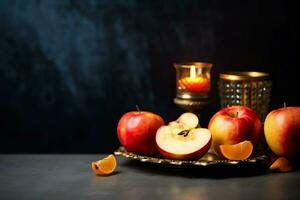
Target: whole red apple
x,y
282,131
234,124
137,130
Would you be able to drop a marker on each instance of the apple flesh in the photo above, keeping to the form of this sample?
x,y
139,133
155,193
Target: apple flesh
x,y
179,146
182,140
233,125
282,131
188,120
136,131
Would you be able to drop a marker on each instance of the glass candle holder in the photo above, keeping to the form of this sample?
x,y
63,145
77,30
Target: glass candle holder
x,y
251,89
192,85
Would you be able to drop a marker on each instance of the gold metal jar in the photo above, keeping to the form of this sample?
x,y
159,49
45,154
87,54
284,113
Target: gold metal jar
x,y
247,88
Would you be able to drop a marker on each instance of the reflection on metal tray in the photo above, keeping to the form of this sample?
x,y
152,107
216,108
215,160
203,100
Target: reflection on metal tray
x,y
208,160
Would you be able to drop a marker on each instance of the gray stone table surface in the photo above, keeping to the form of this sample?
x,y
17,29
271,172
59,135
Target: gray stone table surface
x,y
24,176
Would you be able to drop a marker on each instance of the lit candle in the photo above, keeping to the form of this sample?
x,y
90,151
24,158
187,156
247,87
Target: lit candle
x,y
194,83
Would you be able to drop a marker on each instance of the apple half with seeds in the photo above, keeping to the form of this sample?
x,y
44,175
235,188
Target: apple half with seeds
x,y
181,139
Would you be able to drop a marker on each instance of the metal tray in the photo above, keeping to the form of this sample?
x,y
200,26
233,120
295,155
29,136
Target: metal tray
x,y
209,160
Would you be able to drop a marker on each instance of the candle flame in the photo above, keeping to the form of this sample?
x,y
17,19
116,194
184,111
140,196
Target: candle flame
x,y
193,72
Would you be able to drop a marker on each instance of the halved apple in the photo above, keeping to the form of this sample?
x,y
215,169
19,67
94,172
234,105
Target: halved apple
x,y
185,144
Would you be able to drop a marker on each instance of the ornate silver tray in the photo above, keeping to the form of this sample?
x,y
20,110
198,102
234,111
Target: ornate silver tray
x,y
209,160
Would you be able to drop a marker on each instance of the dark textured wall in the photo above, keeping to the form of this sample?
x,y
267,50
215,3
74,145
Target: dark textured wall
x,y
70,69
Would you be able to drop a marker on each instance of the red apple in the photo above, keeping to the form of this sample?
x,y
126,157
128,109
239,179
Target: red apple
x,y
182,140
234,124
282,131
173,146
137,130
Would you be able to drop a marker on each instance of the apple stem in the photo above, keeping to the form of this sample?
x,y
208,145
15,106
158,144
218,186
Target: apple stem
x,y
237,114
284,104
138,109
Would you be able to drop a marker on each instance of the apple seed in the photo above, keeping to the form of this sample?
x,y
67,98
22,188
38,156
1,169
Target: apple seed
x,y
184,133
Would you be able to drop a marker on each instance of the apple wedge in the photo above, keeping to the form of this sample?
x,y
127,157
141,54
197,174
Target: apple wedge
x,y
188,120
185,144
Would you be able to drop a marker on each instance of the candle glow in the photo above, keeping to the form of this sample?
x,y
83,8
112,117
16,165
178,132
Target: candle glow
x,y
194,83
193,72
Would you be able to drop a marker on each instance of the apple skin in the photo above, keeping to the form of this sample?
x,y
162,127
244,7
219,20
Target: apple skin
x,y
191,156
136,131
227,128
282,131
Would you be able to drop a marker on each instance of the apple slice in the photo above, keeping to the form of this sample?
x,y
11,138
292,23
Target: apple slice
x,y
188,120
187,144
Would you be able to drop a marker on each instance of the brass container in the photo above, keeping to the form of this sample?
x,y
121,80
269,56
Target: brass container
x,y
246,88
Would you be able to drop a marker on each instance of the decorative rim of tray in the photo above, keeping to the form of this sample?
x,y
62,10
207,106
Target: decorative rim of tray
x,y
207,160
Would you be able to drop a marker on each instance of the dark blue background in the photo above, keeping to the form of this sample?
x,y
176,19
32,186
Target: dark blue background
x,y
70,69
